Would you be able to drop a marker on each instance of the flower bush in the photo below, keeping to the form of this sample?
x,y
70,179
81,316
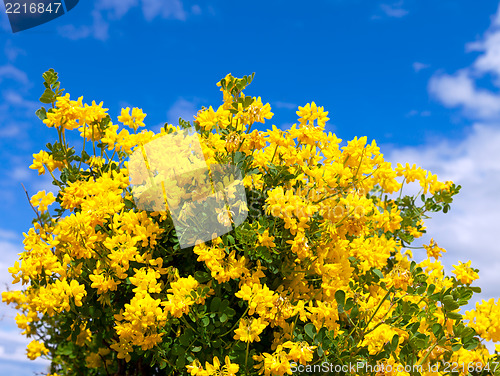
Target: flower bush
x,y
320,276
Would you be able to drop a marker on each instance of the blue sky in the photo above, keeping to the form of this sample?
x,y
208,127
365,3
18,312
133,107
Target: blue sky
x,y
422,78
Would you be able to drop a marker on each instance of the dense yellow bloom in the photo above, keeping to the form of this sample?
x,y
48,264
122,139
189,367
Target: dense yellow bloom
x,y
300,352
103,283
215,369
44,161
250,329
180,296
35,349
310,112
135,120
376,339
276,364
485,319
42,200
433,250
321,266
266,240
464,272
67,115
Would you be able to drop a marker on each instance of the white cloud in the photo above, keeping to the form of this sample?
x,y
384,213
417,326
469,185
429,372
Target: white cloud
x,y
13,344
418,113
182,108
286,105
461,89
4,20
489,61
14,99
20,173
469,230
112,10
11,72
165,8
394,10
9,235
196,9
118,7
9,131
12,52
417,66
98,29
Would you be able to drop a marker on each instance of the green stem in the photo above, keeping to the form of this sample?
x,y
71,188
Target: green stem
x,y
236,323
246,358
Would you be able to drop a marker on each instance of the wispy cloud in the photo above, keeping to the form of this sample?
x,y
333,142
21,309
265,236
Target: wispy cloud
x,y
394,10
107,11
9,71
13,348
98,29
468,231
413,113
461,89
172,9
195,9
117,8
286,105
182,108
4,20
12,52
14,100
417,66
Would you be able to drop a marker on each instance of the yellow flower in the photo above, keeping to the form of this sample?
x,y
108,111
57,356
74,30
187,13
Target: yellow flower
x,y
42,200
228,369
249,329
133,121
35,349
464,272
266,240
433,250
43,160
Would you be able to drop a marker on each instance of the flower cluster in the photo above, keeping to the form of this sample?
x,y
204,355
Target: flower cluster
x,y
321,270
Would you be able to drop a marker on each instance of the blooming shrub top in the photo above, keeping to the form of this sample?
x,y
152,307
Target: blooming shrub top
x,y
321,270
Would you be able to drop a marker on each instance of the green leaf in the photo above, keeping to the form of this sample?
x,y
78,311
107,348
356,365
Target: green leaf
x,y
394,342
215,304
472,344
223,318
202,277
378,273
454,315
430,289
449,303
185,339
41,113
47,96
349,304
310,330
340,297
436,328
417,343
412,266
